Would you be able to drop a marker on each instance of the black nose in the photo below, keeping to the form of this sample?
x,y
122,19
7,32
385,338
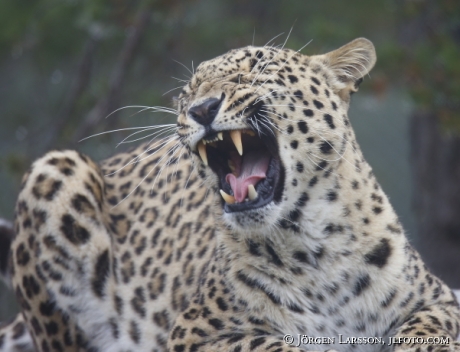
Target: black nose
x,y
206,112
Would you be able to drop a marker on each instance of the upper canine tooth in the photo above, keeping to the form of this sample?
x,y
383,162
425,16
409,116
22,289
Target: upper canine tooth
x,y
202,152
235,135
252,193
220,135
227,197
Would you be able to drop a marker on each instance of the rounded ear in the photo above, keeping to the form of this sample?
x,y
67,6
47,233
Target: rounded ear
x,y
350,63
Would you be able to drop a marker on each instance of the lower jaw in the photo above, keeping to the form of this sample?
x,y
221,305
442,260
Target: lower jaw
x,y
251,205
270,191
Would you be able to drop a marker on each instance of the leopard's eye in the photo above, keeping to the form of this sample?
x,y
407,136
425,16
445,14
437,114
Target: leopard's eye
x,y
237,79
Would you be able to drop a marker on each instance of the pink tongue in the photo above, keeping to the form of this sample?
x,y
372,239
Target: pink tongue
x,y
250,171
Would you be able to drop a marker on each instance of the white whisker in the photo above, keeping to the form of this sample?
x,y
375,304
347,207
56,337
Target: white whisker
x,y
165,130
137,159
117,130
285,62
180,63
131,192
171,90
155,108
266,44
180,80
172,150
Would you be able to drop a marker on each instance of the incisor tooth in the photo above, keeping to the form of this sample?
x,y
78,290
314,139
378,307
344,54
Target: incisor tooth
x,y
202,152
252,193
220,135
227,197
235,135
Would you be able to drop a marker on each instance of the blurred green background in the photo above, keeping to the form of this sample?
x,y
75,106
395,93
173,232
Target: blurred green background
x,y
66,64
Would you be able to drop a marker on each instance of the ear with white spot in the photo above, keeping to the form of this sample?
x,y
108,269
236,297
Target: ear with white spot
x,y
350,63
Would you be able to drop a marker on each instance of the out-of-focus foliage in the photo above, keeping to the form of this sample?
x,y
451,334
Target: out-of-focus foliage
x,y
432,57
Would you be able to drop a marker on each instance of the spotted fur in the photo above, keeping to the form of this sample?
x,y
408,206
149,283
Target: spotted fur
x,y
146,258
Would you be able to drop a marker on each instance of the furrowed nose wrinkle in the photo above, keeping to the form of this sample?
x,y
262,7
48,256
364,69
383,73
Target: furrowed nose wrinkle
x,y
206,112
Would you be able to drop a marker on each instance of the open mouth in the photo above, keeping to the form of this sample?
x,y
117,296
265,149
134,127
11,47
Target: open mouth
x,y
247,165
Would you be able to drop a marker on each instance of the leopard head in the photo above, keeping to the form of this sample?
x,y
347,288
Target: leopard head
x,y
260,122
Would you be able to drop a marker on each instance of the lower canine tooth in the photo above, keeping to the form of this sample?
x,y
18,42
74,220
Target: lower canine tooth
x,y
235,135
252,193
227,197
202,152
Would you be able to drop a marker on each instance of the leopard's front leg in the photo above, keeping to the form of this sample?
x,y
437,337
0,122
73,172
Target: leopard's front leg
x,y
199,331
433,328
216,321
62,255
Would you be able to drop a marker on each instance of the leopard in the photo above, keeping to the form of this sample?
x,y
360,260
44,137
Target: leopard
x,y
257,225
